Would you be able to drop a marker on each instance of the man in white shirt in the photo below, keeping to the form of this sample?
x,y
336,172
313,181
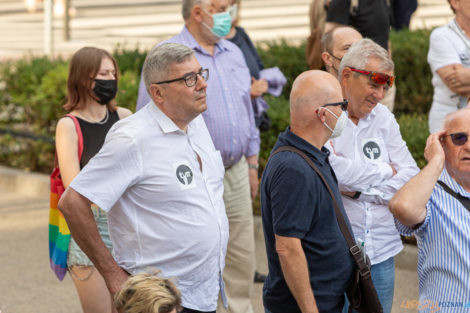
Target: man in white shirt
x,y
160,179
371,160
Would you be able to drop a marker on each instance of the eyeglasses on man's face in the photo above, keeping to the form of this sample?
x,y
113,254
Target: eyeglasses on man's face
x,y
343,104
458,139
376,77
190,79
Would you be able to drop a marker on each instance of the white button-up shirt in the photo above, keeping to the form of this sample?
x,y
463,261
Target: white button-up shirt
x,y
361,159
164,212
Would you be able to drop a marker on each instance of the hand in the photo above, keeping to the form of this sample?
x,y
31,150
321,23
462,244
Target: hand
x,y
434,149
258,87
349,194
458,77
254,182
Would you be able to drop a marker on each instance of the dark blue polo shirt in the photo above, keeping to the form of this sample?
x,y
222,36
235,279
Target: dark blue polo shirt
x,y
296,203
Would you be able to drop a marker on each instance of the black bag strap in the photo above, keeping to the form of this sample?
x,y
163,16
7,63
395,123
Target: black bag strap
x,y
465,201
353,247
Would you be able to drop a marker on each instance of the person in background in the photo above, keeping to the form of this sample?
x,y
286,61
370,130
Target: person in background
x,y
402,12
434,206
335,44
91,89
371,160
270,80
148,293
372,18
310,266
449,59
231,123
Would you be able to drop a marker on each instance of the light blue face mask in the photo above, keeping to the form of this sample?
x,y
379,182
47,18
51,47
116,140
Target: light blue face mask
x,y
222,24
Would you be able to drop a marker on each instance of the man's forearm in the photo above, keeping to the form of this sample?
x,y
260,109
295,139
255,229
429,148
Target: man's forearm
x,y
295,270
409,203
79,217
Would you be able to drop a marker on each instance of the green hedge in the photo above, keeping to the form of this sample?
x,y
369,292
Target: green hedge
x,y
32,92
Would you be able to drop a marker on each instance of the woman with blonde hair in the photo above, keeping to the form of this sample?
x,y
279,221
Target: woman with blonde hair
x,y
148,293
91,89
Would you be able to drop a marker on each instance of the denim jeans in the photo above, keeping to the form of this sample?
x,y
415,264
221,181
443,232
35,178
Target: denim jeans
x,y
383,277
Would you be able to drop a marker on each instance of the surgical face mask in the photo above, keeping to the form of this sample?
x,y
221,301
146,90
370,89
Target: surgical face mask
x,y
233,10
222,24
105,90
340,123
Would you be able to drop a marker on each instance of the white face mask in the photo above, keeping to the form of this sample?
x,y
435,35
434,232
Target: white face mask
x,y
340,123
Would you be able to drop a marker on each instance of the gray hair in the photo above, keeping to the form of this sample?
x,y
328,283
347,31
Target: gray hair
x,y
188,6
160,58
360,52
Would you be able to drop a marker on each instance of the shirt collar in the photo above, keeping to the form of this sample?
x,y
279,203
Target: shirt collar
x,y
291,139
221,45
166,124
368,118
455,186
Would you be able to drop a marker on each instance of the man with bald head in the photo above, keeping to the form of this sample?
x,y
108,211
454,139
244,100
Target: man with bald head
x,y
335,44
435,207
309,262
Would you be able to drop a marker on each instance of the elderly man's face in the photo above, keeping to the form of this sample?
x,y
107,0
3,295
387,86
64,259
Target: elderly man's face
x,y
183,102
458,157
362,93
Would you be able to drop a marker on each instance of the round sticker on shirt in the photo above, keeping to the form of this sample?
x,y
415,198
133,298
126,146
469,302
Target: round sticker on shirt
x,y
184,175
371,150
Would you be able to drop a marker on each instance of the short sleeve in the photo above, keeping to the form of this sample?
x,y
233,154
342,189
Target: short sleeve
x,y
338,12
410,231
292,201
442,49
110,172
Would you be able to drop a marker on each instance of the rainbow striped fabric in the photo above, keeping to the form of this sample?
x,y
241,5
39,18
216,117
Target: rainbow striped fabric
x,y
59,233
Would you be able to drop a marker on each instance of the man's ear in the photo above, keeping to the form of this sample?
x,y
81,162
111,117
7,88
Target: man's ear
x,y
345,75
196,12
321,114
157,93
326,59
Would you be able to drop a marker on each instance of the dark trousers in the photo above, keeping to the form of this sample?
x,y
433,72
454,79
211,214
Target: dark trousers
x,y
186,310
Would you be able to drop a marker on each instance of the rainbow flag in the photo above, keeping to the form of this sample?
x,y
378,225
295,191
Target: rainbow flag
x,y
59,233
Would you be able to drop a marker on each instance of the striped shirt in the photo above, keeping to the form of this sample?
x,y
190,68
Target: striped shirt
x,y
229,115
444,249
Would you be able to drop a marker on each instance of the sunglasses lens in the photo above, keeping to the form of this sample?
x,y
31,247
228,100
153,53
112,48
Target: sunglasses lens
x,y
381,79
459,139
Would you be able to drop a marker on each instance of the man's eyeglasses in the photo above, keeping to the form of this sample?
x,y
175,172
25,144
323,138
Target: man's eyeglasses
x,y
343,104
190,79
376,77
458,139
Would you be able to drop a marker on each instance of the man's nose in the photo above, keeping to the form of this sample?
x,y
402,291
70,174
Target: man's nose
x,y
201,82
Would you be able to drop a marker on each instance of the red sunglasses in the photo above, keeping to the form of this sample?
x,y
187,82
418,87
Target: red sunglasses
x,y
376,77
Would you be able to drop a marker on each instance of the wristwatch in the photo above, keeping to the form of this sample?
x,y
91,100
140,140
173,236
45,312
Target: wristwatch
x,y
253,166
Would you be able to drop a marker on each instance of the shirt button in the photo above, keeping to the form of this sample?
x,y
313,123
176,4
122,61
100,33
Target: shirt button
x,y
231,158
234,124
367,231
226,89
234,141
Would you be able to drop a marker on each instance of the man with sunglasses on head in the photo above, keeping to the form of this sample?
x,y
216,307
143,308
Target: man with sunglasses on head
x,y
434,206
309,262
231,123
371,160
160,179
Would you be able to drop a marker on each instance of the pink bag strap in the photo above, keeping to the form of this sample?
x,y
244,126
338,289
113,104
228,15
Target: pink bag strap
x,y
80,140
79,134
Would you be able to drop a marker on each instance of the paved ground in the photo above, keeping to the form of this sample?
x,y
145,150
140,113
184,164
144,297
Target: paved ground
x,y
27,285
142,23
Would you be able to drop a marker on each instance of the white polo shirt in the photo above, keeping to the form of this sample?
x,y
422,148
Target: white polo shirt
x,y
163,212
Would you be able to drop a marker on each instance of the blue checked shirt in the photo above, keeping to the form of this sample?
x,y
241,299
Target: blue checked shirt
x,y
229,115
444,249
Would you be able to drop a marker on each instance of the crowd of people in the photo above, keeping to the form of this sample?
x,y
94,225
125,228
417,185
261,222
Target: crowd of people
x,y
167,192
